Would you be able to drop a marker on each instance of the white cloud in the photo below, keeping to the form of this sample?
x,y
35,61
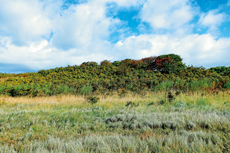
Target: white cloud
x,y
33,20
122,3
41,55
26,20
199,50
80,33
167,14
212,19
81,25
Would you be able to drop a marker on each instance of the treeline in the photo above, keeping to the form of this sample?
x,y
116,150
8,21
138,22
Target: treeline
x,y
160,73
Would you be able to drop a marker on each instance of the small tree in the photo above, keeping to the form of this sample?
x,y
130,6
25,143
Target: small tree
x,y
105,63
169,63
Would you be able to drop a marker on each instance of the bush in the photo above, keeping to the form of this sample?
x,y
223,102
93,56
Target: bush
x,y
169,63
227,85
116,63
105,63
131,104
164,73
92,99
86,90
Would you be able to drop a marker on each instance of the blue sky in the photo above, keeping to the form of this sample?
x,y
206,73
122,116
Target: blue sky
x,y
44,34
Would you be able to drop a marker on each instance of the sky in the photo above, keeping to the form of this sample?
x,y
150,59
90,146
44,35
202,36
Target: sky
x,y
45,34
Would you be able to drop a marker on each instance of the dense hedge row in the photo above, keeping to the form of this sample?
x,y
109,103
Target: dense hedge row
x,y
154,73
222,70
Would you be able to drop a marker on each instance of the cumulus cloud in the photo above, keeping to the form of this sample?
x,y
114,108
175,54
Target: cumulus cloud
x,y
212,19
39,34
122,3
41,55
78,33
81,25
199,50
26,20
167,14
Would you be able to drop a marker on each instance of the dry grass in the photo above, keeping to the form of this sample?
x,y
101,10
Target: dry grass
x,y
68,123
3,80
222,100
52,100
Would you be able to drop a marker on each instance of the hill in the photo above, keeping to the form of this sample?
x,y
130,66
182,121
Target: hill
x,y
162,73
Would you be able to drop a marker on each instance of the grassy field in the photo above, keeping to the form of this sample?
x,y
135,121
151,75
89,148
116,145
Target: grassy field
x,y
192,122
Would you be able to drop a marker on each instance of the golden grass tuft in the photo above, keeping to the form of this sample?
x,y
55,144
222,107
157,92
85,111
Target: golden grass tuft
x,y
221,100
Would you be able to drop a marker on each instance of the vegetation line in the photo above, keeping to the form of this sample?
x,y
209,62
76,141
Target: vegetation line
x,y
162,73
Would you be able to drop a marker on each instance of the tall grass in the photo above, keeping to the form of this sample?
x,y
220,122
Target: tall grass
x,y
164,86
217,101
174,142
86,90
68,123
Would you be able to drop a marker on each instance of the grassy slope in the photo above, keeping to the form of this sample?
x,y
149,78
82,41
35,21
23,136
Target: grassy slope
x,y
191,123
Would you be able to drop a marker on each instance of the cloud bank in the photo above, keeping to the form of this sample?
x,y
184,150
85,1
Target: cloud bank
x,y
38,34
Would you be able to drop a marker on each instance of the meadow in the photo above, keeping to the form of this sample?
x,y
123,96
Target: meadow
x,y
191,122
156,104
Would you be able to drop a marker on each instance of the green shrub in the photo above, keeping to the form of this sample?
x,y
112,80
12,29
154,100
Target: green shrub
x,y
164,86
195,85
131,104
92,99
227,85
161,73
86,90
173,64
171,97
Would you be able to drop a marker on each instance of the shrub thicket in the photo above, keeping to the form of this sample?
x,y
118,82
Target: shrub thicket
x,y
161,73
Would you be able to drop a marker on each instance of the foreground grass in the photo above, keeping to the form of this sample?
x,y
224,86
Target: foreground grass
x,y
190,123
